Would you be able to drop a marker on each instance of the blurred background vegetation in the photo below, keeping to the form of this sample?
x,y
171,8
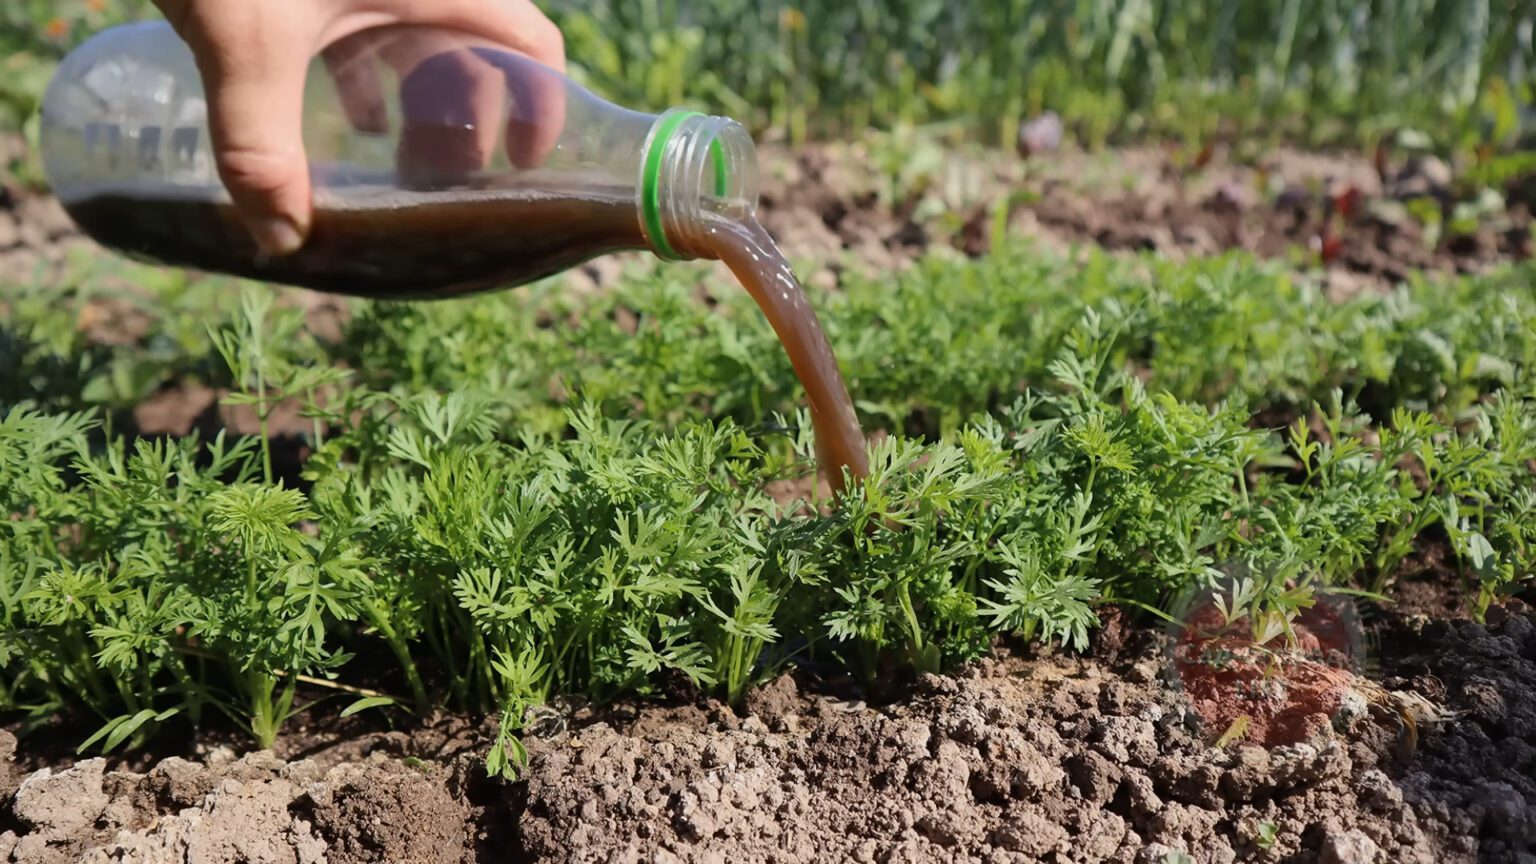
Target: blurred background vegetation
x,y
1315,72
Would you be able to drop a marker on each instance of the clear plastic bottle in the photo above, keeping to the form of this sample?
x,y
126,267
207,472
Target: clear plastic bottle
x,y
422,186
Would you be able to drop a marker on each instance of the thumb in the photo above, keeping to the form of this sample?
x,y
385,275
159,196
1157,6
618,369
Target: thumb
x,y
254,75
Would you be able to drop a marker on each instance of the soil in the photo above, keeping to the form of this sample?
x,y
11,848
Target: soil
x,y
1421,747
1350,221
1344,219
1022,757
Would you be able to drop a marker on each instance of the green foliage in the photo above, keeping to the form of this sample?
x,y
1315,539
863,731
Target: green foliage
x,y
1266,834
1108,66
530,494
926,349
539,493
1319,70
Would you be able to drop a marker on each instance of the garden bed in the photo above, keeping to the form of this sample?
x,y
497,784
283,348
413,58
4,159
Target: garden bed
x,y
1420,745
1017,758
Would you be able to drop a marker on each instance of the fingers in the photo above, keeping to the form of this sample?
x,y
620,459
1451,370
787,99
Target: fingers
x,y
352,65
254,58
253,67
515,24
451,106
537,112
536,116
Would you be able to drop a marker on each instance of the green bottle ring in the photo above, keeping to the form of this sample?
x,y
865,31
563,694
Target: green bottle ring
x,y
650,179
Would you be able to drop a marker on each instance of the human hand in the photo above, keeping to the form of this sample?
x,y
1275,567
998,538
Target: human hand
x,y
254,57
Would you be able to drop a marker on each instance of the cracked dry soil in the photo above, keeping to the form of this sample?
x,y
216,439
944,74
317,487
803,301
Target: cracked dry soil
x,y
1020,758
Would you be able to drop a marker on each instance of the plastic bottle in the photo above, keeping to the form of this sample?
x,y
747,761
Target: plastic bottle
x,y
441,164
421,187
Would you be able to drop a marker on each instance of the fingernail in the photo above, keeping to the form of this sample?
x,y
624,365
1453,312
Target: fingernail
x,y
276,235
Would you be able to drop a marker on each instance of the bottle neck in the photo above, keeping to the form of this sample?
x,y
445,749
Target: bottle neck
x,y
695,169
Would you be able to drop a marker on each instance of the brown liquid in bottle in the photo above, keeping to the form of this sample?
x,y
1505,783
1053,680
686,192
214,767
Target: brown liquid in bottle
x,y
400,248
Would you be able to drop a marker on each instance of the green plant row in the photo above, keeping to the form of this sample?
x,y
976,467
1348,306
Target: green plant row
x,y
921,351
1109,66
925,350
487,540
1328,68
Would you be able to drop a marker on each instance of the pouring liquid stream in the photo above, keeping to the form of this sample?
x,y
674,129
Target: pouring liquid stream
x,y
747,249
